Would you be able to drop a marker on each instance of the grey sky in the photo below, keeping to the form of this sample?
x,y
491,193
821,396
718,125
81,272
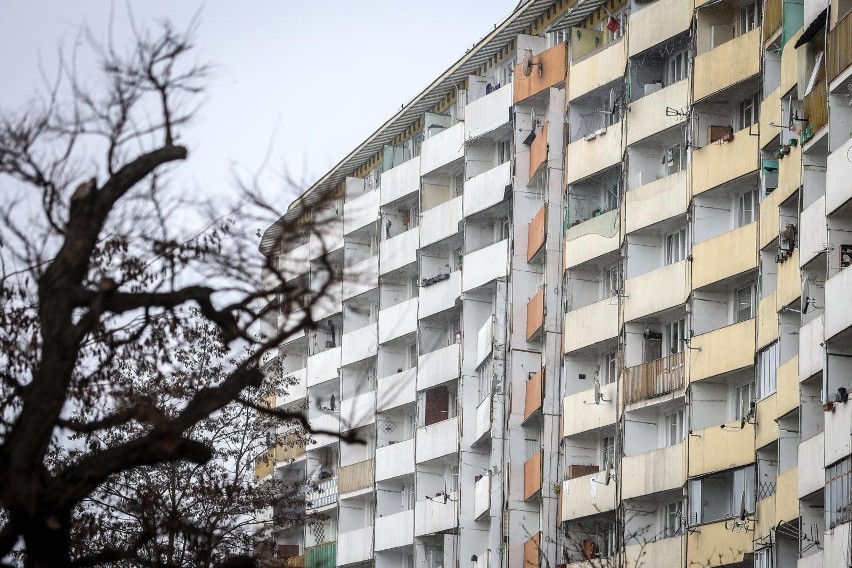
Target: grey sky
x,y
311,78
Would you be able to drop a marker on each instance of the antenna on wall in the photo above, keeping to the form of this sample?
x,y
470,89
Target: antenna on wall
x,y
528,64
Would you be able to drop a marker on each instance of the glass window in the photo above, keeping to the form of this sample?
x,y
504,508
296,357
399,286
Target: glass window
x,y
674,428
763,558
767,370
676,67
747,204
749,111
676,246
607,452
674,336
750,16
610,361
745,299
672,518
722,495
838,493
743,400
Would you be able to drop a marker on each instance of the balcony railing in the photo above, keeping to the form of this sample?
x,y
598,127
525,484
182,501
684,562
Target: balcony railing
x,y
322,556
771,18
549,68
532,475
815,107
324,494
840,47
534,394
537,233
654,378
535,315
356,477
538,152
532,551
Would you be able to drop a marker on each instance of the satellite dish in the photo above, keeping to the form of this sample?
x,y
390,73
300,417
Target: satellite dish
x,y
806,293
527,64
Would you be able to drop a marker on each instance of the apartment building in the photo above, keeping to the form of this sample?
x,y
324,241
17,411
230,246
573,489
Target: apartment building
x,y
595,301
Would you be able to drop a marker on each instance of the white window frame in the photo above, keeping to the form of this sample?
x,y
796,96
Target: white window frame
x,y
743,399
738,304
767,370
672,519
675,246
746,207
750,17
610,367
674,334
748,111
674,428
677,67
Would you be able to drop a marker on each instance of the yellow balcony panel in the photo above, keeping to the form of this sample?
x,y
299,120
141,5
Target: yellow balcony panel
x,y
728,64
772,19
655,291
356,477
586,157
665,552
587,495
597,69
716,545
840,46
770,113
652,472
765,428
580,413
591,239
768,220
551,71
721,162
786,495
724,256
815,105
716,449
656,201
657,22
590,324
767,321
764,517
787,387
789,174
789,281
645,114
722,350
790,60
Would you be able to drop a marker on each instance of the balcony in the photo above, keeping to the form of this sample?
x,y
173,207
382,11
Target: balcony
x,y
487,189
645,116
838,190
441,295
810,348
535,316
786,496
291,264
436,515
590,325
400,181
534,394
483,419
580,413
325,423
837,289
355,546
396,390
537,233
359,344
550,68
767,321
652,472
770,113
437,440
789,281
322,556
395,460
485,265
356,477
717,545
788,388
740,157
323,494
296,389
813,235
484,341
439,367
656,201
532,551
441,222
398,320
705,445
598,68
724,256
588,495
487,114
670,285
358,411
591,239
533,475
840,47
394,531
838,425
538,152
811,477
323,366
790,64
657,22
361,211
735,341
290,562
789,174
815,106
654,378
399,251
442,149
482,497
772,20
584,158
361,277
726,65
661,552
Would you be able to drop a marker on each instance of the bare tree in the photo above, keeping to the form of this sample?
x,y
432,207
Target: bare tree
x,y
101,261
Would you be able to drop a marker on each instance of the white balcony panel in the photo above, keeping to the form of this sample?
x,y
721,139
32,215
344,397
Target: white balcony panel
x,y
814,560
442,148
838,427
837,315
484,341
587,495
810,348
483,419
400,181
358,411
294,263
432,516
439,367
355,546
811,465
395,460
437,440
581,414
328,236
359,344
325,423
485,265
653,472
441,221
590,324
360,277
394,531
396,390
813,234
838,190
330,303
488,113
398,320
482,497
296,389
440,296
671,287
361,211
399,251
323,366
487,189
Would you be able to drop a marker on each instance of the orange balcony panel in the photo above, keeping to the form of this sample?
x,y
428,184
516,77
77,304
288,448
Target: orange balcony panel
x,y
549,68
532,475
534,394
538,152
532,551
535,315
537,233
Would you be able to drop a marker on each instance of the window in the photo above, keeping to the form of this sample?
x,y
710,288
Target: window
x,y
674,428
838,493
674,159
607,453
749,112
747,204
676,67
485,376
673,335
559,36
621,17
610,197
504,151
763,558
676,246
612,280
458,184
721,495
610,365
750,16
745,299
767,369
743,399
672,519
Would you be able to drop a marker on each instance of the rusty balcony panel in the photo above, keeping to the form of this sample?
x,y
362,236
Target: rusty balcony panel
x,y
532,551
538,152
815,106
264,464
549,68
654,378
534,394
532,475
537,233
771,18
356,477
292,562
839,47
535,315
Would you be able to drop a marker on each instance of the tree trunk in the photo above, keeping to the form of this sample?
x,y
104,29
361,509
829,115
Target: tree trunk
x,y
48,540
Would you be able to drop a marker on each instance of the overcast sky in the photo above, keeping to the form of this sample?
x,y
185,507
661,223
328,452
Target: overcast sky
x,y
313,79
